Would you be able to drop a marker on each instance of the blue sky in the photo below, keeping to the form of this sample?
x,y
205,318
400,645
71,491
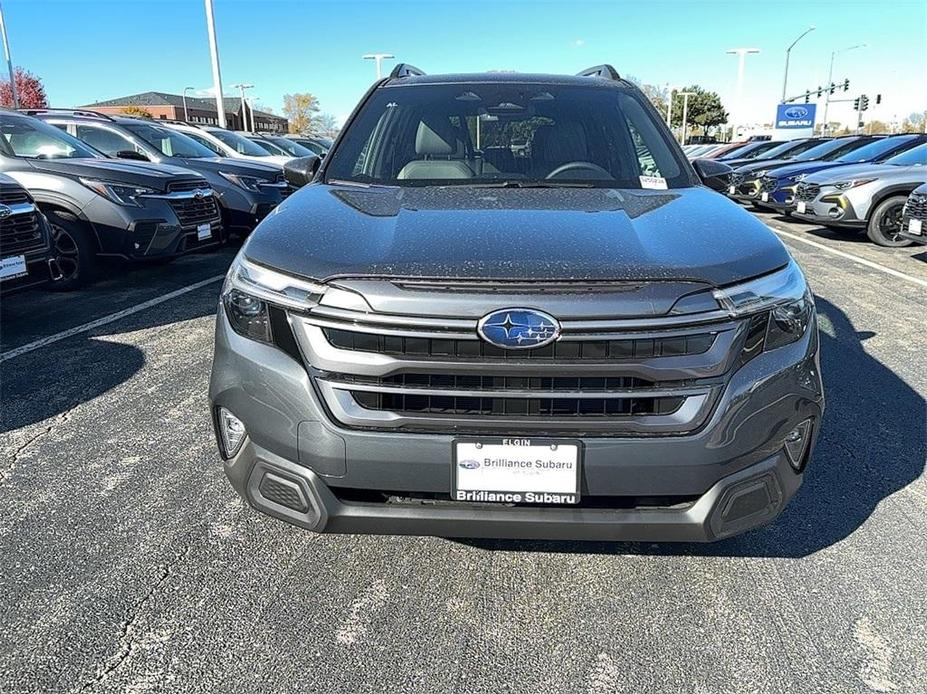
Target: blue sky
x,y
89,50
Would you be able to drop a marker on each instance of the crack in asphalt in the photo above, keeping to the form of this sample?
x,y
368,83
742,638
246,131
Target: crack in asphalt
x,y
127,641
7,472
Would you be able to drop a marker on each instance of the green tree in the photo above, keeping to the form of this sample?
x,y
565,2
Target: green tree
x,y
302,110
705,109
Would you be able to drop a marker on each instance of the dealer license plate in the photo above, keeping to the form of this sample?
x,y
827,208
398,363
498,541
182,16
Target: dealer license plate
x,y
764,197
517,470
915,226
12,267
203,231
801,207
732,190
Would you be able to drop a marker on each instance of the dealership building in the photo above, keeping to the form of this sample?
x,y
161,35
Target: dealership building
x,y
165,106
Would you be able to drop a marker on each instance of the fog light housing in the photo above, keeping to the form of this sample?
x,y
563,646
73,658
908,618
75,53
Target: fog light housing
x,y
231,432
796,445
835,213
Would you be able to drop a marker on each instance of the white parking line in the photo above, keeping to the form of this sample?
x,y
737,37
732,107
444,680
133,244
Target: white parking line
x,y
32,346
854,258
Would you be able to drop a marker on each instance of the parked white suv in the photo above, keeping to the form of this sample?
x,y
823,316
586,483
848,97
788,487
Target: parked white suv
x,y
226,143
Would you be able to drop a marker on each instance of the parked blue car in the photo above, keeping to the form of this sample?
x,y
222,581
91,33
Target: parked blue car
x,y
777,188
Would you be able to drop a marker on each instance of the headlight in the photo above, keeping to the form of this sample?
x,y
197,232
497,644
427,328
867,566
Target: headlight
x,y
781,299
251,292
118,193
251,183
760,174
856,182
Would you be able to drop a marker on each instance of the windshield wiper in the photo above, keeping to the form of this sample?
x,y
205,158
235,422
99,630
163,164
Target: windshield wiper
x,y
526,184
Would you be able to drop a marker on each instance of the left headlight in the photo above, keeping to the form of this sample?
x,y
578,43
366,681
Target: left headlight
x,y
117,192
782,297
855,183
252,291
251,183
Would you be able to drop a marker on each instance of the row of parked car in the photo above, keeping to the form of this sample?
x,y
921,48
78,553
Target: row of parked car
x,y
79,186
872,184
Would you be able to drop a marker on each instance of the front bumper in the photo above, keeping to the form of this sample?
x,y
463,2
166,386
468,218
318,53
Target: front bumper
x,y
906,232
832,209
727,477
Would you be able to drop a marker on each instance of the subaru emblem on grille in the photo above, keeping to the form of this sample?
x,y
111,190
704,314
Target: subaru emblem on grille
x,y
5,211
518,328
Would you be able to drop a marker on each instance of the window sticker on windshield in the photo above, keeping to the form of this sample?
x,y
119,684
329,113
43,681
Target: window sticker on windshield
x,y
654,182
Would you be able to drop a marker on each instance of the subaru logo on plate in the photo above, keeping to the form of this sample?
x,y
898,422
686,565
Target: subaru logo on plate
x,y
796,112
518,328
469,464
5,211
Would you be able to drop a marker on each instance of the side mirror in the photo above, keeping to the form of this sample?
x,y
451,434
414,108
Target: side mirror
x,y
131,154
300,171
714,174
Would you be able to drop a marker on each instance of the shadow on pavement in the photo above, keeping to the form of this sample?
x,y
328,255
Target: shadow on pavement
x,y
870,447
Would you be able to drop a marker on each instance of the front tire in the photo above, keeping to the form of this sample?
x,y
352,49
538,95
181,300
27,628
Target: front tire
x,y
73,249
884,227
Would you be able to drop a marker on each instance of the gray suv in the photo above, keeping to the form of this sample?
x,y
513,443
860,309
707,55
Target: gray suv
x,y
582,339
98,207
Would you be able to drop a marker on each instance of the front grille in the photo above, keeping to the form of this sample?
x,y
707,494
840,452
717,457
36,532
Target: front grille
x,y
602,377
194,211
14,196
187,185
768,184
807,192
916,206
737,179
21,232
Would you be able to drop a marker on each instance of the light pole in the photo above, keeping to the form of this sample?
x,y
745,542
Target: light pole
x,y
378,58
9,61
785,77
214,54
669,105
244,113
830,79
186,117
685,112
741,54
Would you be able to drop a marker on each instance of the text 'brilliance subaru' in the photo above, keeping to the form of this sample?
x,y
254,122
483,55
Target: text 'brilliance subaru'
x,y
448,331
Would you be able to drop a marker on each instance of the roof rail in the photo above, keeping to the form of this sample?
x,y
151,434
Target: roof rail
x,y
72,111
405,70
174,121
604,71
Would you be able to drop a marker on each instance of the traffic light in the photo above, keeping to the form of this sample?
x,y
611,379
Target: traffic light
x,y
846,85
878,99
807,96
856,104
864,102
819,90
833,87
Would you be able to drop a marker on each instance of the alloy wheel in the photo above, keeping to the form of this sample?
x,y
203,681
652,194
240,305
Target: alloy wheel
x,y
67,253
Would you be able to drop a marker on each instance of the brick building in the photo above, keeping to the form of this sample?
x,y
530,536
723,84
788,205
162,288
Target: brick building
x,y
201,111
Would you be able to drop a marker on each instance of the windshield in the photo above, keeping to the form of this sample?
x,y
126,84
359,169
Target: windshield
x,y
290,147
33,139
913,157
787,150
824,148
268,146
170,142
508,134
751,151
240,144
875,150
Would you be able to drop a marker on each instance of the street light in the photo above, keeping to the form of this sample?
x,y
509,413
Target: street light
x,y
244,112
186,118
214,54
785,78
830,78
741,54
669,105
685,112
9,61
378,58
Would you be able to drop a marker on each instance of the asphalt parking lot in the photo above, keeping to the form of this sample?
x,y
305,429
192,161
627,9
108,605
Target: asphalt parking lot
x,y
130,565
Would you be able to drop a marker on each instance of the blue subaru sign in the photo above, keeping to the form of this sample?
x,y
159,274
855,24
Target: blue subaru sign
x,y
795,116
519,328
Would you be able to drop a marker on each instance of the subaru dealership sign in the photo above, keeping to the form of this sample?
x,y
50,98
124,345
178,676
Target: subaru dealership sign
x,y
795,116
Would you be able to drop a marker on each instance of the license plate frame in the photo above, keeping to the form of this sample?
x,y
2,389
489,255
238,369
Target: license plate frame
x,y
801,207
764,196
550,486
915,227
13,267
203,232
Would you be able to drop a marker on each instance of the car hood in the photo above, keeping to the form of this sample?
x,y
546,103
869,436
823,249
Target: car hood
x,y
326,231
275,159
242,167
118,171
849,171
807,168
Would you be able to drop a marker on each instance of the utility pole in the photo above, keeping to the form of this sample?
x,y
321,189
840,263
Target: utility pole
x,y
214,54
244,112
830,80
785,77
378,58
186,116
741,54
9,61
685,113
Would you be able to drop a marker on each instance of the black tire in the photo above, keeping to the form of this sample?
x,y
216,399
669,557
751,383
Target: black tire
x,y
884,226
74,249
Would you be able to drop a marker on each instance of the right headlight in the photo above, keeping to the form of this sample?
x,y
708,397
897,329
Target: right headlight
x,y
781,299
250,183
251,292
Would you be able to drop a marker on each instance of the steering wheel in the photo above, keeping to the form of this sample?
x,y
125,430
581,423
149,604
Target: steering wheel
x,y
572,166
